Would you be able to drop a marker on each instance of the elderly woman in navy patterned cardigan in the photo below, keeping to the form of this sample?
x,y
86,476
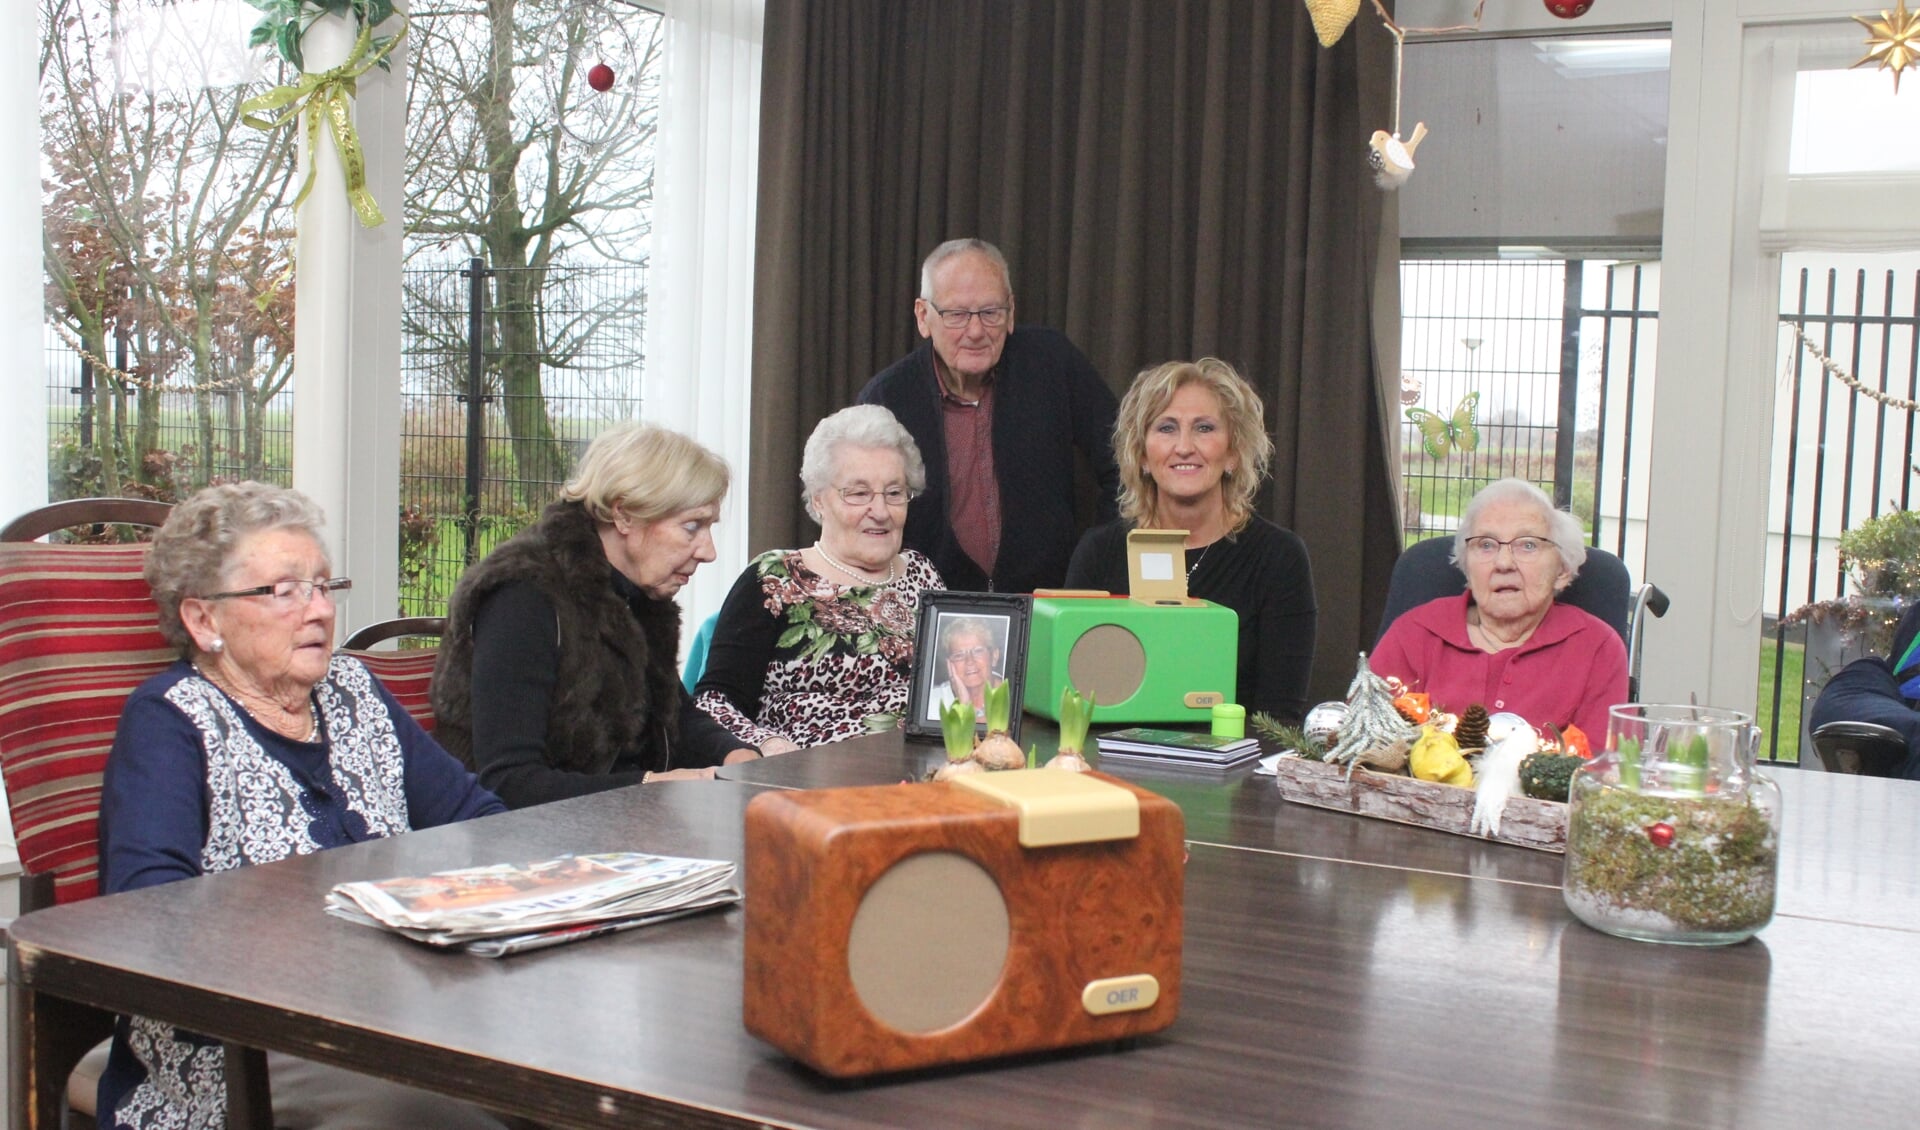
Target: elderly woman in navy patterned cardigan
x,y
815,645
259,743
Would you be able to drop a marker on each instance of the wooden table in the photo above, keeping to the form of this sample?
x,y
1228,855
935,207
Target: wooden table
x,y
1338,972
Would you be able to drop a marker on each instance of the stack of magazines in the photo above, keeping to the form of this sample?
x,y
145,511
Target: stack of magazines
x,y
508,908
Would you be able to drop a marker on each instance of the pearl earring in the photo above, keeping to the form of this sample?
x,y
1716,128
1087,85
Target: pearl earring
x,y
217,646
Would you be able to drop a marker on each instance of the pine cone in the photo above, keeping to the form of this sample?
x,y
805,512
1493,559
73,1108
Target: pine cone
x,y
1471,733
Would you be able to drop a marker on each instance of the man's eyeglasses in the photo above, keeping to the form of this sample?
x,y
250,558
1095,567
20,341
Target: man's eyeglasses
x,y
291,594
992,317
1524,548
861,496
977,654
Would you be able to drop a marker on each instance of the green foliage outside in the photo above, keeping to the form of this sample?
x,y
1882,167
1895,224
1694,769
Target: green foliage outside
x,y
433,555
1792,678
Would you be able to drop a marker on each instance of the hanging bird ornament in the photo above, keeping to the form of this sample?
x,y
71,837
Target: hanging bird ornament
x,y
1391,158
1893,40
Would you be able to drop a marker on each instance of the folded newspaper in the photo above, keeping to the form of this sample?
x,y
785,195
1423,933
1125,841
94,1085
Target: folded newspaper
x,y
513,907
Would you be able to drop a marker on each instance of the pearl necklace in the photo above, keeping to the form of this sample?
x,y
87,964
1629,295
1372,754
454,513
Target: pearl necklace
x,y
835,562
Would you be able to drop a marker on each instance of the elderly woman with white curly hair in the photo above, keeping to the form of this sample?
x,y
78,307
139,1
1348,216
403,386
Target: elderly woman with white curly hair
x,y
1505,642
814,645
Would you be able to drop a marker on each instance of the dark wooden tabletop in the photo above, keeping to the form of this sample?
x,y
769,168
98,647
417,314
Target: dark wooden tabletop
x,y
1338,971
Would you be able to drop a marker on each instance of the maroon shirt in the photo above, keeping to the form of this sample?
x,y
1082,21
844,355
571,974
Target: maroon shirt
x,y
973,493
1572,669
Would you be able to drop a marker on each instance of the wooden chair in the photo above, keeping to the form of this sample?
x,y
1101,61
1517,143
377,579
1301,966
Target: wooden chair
x,y
79,630
407,673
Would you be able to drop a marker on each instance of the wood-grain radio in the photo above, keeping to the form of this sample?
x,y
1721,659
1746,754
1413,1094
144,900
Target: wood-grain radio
x,y
904,926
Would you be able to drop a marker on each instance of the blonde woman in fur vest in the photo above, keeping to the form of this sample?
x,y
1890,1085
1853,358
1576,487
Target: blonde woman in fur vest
x,y
558,671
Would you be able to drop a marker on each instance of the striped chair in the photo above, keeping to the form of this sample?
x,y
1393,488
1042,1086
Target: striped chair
x,y
78,632
407,673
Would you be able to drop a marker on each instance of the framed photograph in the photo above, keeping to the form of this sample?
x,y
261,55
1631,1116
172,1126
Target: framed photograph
x,y
967,642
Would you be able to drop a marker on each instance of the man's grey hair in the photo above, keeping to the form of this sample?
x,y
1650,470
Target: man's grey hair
x,y
1563,529
863,425
954,247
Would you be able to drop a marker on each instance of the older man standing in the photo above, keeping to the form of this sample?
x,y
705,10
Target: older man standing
x,y
998,413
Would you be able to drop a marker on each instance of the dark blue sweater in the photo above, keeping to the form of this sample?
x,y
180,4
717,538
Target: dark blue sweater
x,y
1048,402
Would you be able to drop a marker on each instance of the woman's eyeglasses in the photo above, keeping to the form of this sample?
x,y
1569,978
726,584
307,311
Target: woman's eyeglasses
x,y
977,654
861,496
1524,548
291,594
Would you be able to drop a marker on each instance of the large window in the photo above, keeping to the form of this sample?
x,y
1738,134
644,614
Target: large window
x,y
169,241
168,238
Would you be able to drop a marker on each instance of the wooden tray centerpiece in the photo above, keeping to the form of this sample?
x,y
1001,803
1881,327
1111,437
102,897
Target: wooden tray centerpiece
x,y
1387,754
1525,822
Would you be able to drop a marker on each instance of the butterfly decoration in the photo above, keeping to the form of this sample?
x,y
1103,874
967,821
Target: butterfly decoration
x,y
1444,435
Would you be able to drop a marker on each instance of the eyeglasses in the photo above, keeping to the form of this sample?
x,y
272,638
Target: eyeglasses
x,y
1524,548
977,654
861,496
292,594
992,317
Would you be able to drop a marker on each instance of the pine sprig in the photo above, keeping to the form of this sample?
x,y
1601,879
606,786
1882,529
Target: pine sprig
x,y
1288,737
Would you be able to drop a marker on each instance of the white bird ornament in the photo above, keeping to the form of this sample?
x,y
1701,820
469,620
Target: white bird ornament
x,y
1497,777
1391,158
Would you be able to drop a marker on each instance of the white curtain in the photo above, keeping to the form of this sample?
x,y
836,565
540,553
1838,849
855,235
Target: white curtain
x,y
700,286
23,432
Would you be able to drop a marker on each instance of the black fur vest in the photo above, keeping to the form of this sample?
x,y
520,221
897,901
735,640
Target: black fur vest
x,y
618,688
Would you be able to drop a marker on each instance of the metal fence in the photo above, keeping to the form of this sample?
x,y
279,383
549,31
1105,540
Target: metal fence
x,y
507,374
1841,460
124,419
1549,361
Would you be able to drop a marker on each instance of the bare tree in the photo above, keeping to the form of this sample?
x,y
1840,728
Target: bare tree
x,y
168,221
514,156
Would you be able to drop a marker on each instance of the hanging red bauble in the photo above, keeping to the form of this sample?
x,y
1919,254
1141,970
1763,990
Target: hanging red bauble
x,y
1661,834
601,77
1569,9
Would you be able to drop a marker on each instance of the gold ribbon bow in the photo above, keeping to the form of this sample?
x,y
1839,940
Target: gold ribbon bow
x,y
328,96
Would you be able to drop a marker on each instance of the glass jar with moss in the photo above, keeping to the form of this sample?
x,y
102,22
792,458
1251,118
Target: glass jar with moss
x,y
1672,835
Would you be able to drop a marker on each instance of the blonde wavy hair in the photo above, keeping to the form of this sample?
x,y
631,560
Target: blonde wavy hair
x,y
1248,444
647,472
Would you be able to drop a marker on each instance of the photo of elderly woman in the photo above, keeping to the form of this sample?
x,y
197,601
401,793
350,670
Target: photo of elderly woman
x,y
971,657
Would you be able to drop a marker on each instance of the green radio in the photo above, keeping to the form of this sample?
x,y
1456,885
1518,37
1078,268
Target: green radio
x,y
1143,662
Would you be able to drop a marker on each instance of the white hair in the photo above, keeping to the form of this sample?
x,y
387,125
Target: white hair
x,y
954,247
863,425
1563,529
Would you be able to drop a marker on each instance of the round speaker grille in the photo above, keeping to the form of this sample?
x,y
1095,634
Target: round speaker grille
x,y
1108,661
928,942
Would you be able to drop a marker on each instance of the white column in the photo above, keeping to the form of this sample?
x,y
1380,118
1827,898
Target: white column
x,y
346,382
23,427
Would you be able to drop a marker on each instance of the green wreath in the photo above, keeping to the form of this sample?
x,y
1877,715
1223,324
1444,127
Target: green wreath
x,y
327,96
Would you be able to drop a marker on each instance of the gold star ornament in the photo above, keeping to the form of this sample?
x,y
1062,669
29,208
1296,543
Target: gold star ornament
x,y
1893,40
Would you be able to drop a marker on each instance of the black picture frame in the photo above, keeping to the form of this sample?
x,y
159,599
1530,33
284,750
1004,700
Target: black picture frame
x,y
1006,616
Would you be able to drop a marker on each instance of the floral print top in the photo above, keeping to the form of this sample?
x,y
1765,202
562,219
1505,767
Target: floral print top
x,y
800,656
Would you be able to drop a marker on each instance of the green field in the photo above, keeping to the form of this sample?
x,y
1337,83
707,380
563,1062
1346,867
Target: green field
x,y
1787,726
428,594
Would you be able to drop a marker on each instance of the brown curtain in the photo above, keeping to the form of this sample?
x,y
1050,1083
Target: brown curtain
x,y
1168,179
